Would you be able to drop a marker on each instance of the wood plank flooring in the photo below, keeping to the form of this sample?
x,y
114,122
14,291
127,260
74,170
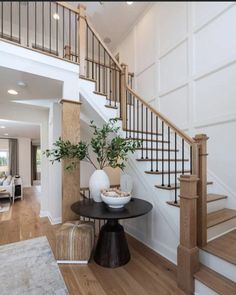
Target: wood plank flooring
x,y
146,273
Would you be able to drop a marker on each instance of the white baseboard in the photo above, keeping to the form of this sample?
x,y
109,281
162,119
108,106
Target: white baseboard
x,y
53,221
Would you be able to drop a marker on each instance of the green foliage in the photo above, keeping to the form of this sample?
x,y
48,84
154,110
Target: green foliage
x,y
110,151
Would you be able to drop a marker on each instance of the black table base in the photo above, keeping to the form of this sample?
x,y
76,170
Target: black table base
x,y
112,248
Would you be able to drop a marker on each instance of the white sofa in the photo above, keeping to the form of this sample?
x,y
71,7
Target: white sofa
x,y
8,185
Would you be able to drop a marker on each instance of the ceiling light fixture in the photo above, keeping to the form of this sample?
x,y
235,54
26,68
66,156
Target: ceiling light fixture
x,y
56,16
12,92
2,127
129,3
21,84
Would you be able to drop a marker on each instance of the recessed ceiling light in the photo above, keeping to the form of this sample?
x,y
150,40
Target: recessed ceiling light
x,y
5,134
21,84
107,40
56,16
129,3
2,127
12,92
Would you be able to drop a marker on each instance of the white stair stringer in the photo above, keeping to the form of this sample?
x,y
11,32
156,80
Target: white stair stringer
x,y
164,236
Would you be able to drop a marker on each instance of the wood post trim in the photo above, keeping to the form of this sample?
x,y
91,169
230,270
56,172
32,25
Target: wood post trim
x,y
82,39
70,179
187,253
201,141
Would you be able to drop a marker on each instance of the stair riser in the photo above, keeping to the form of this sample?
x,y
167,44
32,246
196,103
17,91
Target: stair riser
x,y
216,205
201,289
219,265
157,179
157,154
221,228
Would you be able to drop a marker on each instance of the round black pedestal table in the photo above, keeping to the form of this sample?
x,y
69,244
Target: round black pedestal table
x,y
112,248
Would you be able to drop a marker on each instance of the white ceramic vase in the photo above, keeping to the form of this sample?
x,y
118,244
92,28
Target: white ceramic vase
x,y
98,181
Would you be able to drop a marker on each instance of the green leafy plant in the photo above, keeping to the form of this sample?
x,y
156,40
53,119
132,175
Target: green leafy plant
x,y
110,151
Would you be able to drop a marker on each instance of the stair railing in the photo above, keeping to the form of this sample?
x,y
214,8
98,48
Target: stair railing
x,y
44,26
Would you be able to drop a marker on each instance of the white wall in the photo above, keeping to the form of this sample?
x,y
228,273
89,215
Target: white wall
x,y
24,156
184,58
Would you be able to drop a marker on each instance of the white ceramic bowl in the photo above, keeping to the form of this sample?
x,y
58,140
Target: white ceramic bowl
x,y
115,202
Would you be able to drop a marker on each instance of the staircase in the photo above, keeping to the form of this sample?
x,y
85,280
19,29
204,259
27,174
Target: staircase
x,y
167,158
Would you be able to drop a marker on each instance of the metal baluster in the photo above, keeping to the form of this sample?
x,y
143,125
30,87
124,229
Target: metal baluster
x,y
35,24
110,81
126,110
2,18
92,55
157,145
191,160
43,25
175,168
133,101
70,32
146,132
50,27
152,141
183,156
162,168
99,68
142,128
115,86
19,23
168,157
104,71
130,119
87,45
27,24
138,117
57,30
63,30
76,53
11,19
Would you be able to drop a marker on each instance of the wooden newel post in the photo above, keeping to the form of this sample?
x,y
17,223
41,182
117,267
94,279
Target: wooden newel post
x,y
124,77
70,179
201,140
188,262
82,39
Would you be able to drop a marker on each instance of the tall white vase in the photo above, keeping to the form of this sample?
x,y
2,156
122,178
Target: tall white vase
x,y
98,181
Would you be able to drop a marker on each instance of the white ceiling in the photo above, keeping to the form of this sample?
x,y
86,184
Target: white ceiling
x,y
113,19
37,87
19,129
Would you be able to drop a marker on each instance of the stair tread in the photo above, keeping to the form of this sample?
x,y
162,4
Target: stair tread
x,y
223,247
215,197
215,281
161,160
220,216
156,150
143,132
88,79
172,186
100,93
144,139
111,106
166,172
209,199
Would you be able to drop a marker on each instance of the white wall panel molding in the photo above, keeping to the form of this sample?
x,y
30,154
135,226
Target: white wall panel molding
x,y
219,11
214,121
177,87
173,47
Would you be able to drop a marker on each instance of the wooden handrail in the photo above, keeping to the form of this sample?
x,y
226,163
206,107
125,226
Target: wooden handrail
x,y
103,44
187,138
68,6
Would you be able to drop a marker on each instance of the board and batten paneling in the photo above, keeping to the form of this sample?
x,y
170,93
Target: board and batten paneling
x,y
192,47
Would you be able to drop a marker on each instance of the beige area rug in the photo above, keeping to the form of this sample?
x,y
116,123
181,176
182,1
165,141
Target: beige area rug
x,y
29,268
4,205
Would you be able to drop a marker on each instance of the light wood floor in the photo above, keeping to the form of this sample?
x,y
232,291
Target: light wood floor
x,y
146,273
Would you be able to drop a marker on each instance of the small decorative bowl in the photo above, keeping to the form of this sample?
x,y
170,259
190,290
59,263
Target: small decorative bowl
x,y
115,199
